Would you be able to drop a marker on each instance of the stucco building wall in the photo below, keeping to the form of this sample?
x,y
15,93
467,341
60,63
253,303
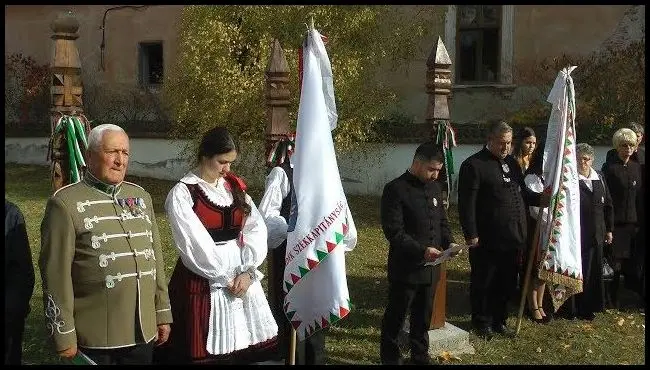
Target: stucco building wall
x,y
538,31
27,31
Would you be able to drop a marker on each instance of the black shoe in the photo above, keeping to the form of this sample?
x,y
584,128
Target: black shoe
x,y
503,330
587,316
420,361
484,332
532,317
399,361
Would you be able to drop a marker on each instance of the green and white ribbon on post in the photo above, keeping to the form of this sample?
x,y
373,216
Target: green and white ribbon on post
x,y
74,131
447,137
281,150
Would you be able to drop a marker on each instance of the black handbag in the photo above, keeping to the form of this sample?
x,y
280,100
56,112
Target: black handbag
x,y
608,271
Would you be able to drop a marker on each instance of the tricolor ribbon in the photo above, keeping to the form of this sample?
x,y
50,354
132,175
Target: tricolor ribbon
x,y
446,136
73,129
281,150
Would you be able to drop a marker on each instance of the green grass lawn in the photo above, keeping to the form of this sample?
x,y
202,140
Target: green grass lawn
x,y
614,337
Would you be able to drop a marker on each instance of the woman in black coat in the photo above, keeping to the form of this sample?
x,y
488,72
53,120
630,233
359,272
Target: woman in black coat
x,y
624,182
596,226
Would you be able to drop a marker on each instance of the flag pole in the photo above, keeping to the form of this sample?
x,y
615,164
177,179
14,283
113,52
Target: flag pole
x,y
292,346
529,268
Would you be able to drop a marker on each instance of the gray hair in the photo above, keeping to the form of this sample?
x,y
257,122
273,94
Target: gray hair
x,y
622,136
585,149
96,134
499,128
637,128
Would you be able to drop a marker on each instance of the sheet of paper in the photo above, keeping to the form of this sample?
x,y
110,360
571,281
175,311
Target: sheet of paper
x,y
446,255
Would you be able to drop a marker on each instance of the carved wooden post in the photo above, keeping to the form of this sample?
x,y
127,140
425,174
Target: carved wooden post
x,y
438,87
277,95
277,124
66,90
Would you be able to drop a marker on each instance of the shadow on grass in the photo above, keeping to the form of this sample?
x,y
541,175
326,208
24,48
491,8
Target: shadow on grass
x,y
369,296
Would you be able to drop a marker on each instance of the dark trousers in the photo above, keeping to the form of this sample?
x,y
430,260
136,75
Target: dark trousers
x,y
140,354
14,341
311,351
276,299
493,278
403,298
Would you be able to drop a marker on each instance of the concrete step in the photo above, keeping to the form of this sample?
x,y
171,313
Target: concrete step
x,y
448,338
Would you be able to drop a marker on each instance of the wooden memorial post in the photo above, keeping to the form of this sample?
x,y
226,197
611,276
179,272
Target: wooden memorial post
x,y
66,91
277,95
277,125
438,87
277,119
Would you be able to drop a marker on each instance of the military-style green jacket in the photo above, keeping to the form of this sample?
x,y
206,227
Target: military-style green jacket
x,y
102,266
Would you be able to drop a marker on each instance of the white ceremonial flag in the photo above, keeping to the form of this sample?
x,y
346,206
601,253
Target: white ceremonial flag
x,y
321,228
560,237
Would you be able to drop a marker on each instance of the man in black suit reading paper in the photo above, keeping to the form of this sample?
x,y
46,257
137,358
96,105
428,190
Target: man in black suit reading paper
x,y
415,224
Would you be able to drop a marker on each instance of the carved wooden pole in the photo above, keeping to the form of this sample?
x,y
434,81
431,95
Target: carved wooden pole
x,y
438,87
277,124
66,91
277,95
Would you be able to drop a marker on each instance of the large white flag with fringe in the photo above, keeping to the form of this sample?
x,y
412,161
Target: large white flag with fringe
x,y
560,237
321,228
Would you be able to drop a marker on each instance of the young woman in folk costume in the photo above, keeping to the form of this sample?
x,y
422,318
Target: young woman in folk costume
x,y
220,311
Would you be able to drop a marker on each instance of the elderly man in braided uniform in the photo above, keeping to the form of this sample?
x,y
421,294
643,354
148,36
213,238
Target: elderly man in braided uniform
x,y
104,286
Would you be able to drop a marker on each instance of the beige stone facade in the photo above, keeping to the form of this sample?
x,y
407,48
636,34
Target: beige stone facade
x,y
527,33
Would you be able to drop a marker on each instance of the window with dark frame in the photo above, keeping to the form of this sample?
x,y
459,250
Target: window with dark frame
x,y
151,63
478,44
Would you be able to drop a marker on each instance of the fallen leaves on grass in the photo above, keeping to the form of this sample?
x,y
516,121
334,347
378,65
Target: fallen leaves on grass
x,y
587,327
447,356
621,321
565,346
538,350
